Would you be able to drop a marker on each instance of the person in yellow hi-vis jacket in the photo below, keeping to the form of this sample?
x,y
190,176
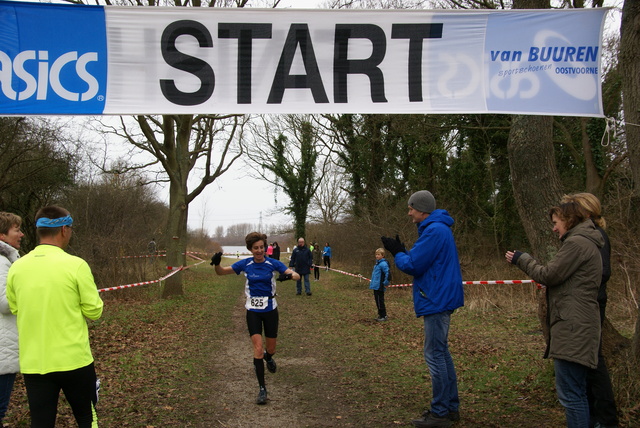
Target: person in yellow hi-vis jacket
x,y
51,292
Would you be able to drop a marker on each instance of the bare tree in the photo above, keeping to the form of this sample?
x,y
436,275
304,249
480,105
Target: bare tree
x,y
330,202
181,144
285,151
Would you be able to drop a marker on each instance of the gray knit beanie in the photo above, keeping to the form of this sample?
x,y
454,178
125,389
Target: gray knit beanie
x,y
423,201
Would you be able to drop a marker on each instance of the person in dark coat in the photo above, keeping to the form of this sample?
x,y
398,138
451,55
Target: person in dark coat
x,y
602,404
301,262
276,251
572,279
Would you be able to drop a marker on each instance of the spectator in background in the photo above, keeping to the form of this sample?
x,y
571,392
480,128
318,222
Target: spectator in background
x,y
51,292
602,405
301,262
10,238
326,252
317,259
152,247
276,251
437,292
270,251
379,280
572,279
261,304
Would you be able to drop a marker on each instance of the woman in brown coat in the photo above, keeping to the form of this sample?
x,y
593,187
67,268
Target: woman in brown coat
x,y
572,279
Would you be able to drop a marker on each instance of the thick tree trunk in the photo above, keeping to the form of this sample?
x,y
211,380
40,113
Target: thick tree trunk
x,y
594,182
630,70
176,243
536,187
535,180
179,163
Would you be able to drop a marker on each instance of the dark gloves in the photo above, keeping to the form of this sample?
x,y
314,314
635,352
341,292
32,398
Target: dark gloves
x,y
284,277
516,256
216,259
394,246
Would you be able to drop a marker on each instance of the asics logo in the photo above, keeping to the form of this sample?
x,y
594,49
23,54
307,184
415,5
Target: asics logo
x,y
44,75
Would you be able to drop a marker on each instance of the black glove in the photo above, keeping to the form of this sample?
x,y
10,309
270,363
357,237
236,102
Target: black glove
x,y
394,246
284,277
216,259
516,256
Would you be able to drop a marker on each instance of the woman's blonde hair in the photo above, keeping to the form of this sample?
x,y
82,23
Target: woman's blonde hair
x,y
589,203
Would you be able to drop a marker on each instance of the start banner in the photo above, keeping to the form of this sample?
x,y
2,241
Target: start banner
x,y
91,60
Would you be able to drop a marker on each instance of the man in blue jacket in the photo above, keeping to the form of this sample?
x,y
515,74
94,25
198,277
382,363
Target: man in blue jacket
x,y
301,262
437,292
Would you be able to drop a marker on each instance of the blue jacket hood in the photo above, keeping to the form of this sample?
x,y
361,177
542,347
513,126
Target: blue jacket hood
x,y
441,216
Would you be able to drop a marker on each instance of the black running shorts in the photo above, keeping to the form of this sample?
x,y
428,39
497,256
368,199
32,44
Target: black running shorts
x,y
255,321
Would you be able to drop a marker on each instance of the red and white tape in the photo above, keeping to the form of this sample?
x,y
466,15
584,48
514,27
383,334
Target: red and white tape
x,y
141,256
495,282
173,272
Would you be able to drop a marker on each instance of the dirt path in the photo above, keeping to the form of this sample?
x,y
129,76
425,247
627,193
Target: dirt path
x,y
235,388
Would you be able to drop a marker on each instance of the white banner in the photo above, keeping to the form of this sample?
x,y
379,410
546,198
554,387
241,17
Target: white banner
x,y
70,59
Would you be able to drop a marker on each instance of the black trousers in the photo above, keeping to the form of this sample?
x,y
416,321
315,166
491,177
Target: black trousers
x,y
602,405
79,387
378,295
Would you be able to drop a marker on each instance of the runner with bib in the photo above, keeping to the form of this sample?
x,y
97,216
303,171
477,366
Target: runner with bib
x,y
261,273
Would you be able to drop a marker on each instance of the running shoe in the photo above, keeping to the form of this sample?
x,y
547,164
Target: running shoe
x,y
271,364
262,396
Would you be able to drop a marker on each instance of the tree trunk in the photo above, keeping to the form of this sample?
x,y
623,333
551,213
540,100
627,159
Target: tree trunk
x,y
636,341
178,199
536,187
535,180
300,226
176,244
594,183
630,70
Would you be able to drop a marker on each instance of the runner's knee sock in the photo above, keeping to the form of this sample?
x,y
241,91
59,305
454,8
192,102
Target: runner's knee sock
x,y
258,363
267,356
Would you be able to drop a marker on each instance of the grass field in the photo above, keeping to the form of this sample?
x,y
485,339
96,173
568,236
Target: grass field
x,y
157,358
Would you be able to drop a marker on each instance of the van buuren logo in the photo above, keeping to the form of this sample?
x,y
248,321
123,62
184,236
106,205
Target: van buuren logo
x,y
37,74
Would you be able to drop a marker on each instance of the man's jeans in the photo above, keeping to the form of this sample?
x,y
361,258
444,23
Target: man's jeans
x,y
443,374
307,285
571,386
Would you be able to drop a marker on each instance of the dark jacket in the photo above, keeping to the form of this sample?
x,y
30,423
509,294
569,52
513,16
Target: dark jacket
x,y
301,260
572,279
605,253
317,256
433,262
